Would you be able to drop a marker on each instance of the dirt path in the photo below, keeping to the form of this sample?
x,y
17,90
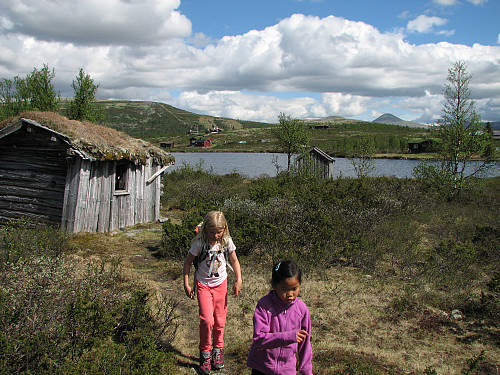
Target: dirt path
x,y
135,248
349,309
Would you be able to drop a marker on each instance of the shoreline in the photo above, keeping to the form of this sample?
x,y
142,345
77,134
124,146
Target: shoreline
x,y
423,157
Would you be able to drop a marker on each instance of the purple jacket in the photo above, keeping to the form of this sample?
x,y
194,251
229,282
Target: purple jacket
x,y
275,326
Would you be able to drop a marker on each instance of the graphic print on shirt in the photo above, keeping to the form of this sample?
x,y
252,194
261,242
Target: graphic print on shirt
x,y
213,263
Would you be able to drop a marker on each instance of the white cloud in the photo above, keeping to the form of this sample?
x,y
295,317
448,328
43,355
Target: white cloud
x,y
200,40
446,2
455,2
429,105
238,105
352,66
425,24
405,14
96,22
478,2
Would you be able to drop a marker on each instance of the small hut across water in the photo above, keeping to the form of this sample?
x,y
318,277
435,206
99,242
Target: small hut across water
x,y
79,175
318,162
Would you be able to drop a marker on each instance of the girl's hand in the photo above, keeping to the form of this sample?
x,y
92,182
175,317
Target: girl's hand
x,y
301,335
189,291
237,288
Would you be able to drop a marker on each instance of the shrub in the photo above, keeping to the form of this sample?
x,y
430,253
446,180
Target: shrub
x,y
59,315
25,238
177,238
191,187
446,250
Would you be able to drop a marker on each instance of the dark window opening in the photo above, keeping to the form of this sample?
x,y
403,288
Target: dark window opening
x,y
121,176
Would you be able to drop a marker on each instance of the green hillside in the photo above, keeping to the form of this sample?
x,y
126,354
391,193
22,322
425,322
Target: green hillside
x,y
338,136
152,120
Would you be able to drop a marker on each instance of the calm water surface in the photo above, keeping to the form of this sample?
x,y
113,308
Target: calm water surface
x,y
254,165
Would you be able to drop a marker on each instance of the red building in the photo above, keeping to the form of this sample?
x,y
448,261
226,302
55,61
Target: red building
x,y
201,142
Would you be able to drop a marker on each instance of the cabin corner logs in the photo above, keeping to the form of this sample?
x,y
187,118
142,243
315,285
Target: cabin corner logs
x,y
45,177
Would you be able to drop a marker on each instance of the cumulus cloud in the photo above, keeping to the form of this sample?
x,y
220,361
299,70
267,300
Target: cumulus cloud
x,y
239,105
454,2
426,24
478,2
430,106
352,66
446,2
95,22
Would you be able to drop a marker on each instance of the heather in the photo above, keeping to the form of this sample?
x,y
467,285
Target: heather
x,y
399,279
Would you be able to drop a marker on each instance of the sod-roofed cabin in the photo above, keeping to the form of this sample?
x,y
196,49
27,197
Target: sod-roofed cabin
x,y
79,175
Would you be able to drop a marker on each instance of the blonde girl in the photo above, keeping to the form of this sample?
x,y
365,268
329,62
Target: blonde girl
x,y
211,249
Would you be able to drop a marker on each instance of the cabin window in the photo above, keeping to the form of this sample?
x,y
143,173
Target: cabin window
x,y
121,177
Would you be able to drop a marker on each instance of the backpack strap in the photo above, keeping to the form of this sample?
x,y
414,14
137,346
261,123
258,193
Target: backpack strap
x,y
203,255
226,256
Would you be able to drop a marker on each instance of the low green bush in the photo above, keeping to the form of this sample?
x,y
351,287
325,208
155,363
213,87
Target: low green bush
x,y
192,187
59,315
177,238
19,239
446,250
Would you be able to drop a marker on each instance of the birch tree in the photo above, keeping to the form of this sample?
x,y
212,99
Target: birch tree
x,y
292,135
463,137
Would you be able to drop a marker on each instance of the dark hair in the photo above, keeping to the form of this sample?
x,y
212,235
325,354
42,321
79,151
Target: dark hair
x,y
284,270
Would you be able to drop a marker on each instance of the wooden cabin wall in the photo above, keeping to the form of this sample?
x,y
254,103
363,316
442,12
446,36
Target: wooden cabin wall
x,y
32,176
318,165
322,168
142,204
93,205
88,196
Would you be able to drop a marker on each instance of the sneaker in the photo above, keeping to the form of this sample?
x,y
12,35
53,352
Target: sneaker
x,y
217,359
205,365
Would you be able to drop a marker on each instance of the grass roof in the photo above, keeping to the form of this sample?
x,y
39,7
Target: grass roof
x,y
100,142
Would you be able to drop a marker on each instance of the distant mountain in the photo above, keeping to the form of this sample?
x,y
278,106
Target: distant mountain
x,y
330,120
390,119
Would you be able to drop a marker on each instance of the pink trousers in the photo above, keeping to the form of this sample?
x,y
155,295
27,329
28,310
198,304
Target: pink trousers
x,y
213,310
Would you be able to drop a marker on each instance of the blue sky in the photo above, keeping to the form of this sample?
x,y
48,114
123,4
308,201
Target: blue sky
x,y
470,23
253,59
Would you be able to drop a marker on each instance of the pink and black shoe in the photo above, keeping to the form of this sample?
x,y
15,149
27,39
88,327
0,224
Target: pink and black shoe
x,y
217,359
205,363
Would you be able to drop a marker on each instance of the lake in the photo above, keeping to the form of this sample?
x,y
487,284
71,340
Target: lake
x,y
253,165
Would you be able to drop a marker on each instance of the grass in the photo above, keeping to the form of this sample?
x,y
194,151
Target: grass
x,y
362,324
340,138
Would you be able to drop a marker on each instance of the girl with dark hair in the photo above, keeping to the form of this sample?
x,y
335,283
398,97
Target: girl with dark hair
x,y
282,326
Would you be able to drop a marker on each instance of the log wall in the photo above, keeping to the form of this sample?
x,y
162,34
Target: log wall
x,y
41,179
32,176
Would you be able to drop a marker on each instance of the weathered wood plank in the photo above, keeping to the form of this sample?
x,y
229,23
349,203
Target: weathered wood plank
x,y
45,182
41,195
7,215
103,222
81,199
32,201
55,168
31,208
70,196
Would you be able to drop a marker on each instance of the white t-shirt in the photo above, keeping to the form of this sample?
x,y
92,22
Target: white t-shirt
x,y
214,259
